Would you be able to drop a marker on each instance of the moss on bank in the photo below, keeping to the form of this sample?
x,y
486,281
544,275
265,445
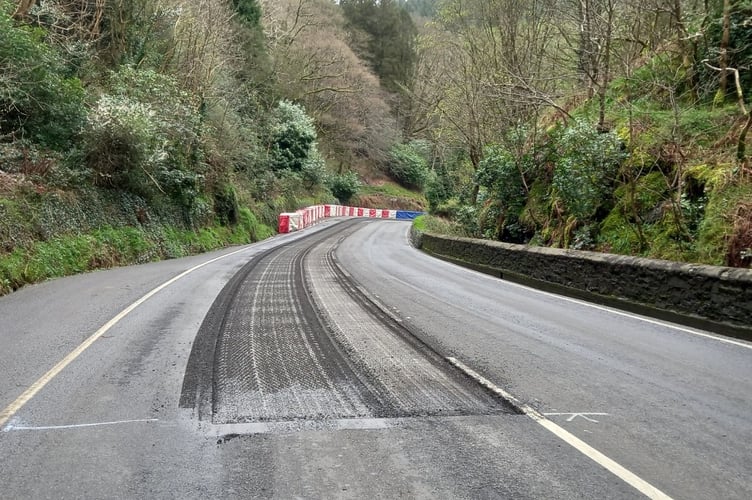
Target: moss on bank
x,y
52,234
110,246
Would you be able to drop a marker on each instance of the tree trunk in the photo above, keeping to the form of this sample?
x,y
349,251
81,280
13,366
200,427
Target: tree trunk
x,y
603,87
741,144
725,38
688,48
585,54
23,8
475,157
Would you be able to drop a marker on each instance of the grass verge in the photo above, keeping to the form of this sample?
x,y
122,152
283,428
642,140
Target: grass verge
x,y
118,246
438,225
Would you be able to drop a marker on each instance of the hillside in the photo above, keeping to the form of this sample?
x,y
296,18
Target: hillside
x,y
602,125
138,130
133,130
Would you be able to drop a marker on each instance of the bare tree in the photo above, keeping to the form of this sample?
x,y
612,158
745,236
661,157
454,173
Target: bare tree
x,y
723,58
23,7
488,66
315,65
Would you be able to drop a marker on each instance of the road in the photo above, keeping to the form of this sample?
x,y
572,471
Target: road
x,y
324,364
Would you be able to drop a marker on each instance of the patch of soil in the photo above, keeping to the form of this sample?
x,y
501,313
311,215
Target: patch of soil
x,y
387,202
740,243
10,183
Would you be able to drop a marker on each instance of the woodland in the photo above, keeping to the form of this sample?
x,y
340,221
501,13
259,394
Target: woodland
x,y
132,130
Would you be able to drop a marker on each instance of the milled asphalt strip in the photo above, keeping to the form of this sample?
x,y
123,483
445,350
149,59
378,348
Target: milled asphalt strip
x,y
621,472
37,386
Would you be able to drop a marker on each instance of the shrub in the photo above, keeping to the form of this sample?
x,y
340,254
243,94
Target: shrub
x,y
292,137
143,137
586,167
226,205
438,188
38,100
407,165
119,140
501,172
314,169
344,186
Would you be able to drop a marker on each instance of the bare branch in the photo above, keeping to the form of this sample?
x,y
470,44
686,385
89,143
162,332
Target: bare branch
x,y
737,80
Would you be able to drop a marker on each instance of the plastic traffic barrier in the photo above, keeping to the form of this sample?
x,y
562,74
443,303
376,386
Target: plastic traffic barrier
x,y
305,217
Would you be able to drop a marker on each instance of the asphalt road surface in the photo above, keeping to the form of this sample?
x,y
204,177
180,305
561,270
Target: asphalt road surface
x,y
342,363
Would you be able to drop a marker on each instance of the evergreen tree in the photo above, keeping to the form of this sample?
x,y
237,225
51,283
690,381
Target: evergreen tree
x,y
424,8
389,44
256,71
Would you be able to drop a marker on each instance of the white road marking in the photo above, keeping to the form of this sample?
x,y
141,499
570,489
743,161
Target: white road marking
x,y
14,427
572,416
738,343
37,386
725,340
618,470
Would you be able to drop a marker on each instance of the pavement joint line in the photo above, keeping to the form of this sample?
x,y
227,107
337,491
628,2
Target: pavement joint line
x,y
53,372
609,464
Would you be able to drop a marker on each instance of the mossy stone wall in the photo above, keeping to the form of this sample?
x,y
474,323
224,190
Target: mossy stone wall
x,y
716,294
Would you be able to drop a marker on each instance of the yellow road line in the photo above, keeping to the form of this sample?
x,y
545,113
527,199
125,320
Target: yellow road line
x,y
37,386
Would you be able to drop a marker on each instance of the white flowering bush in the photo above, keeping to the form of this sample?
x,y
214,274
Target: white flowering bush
x,y
120,141
143,137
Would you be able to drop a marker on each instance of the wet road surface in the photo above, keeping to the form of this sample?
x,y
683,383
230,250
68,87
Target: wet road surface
x,y
295,368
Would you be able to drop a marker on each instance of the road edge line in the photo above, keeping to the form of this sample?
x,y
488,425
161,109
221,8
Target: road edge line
x,y
53,372
607,463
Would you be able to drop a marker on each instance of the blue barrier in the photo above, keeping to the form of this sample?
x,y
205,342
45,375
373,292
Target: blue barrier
x,y
407,214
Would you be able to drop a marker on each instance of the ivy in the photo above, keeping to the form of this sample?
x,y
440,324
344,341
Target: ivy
x,y
586,166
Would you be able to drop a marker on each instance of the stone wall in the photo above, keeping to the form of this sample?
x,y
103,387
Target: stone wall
x,y
709,294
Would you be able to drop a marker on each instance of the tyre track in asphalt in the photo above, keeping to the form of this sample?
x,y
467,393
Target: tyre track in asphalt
x,y
289,339
416,379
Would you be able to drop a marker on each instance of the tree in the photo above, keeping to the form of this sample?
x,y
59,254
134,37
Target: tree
x,y
292,137
388,40
39,100
423,8
256,73
23,7
489,66
315,65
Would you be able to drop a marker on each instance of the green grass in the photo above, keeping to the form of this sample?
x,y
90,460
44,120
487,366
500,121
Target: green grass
x,y
438,225
717,226
109,246
419,223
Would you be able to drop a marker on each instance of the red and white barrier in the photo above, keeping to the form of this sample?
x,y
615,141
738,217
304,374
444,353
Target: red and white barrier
x,y
305,217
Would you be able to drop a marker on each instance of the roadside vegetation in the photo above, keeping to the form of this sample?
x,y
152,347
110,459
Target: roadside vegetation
x,y
602,125
132,130
137,130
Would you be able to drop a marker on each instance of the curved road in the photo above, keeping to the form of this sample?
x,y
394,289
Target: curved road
x,y
324,364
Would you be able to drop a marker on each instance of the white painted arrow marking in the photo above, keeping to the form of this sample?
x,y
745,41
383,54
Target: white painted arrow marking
x,y
615,468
